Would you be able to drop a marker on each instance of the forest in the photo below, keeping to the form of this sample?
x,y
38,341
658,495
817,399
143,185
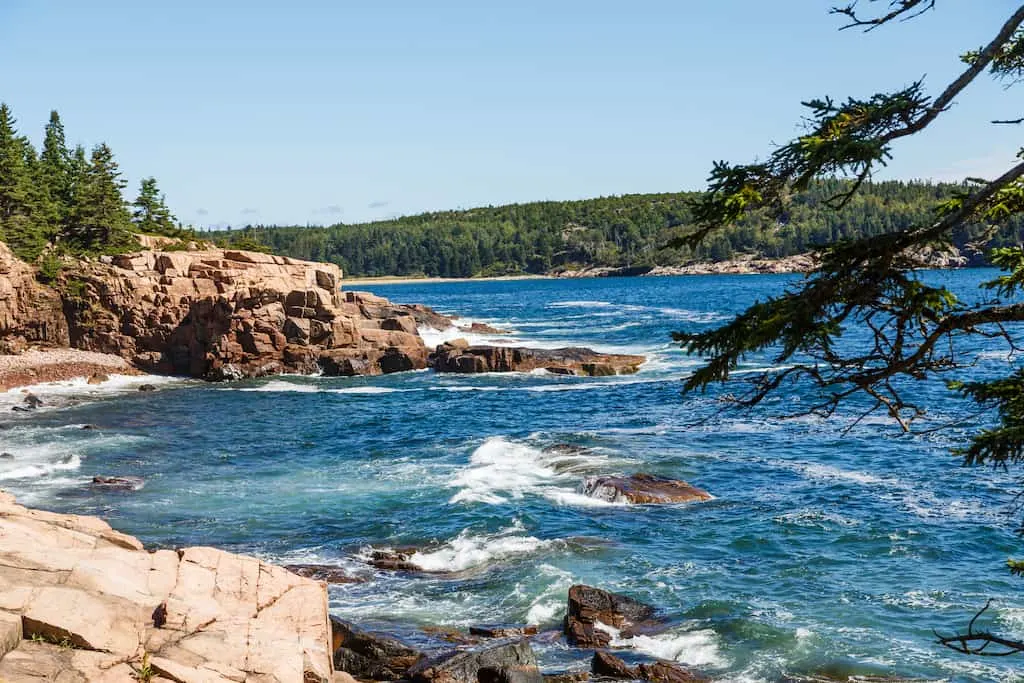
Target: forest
x,y
622,231
64,201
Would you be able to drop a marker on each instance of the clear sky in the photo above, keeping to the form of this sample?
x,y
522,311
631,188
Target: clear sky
x,y
324,111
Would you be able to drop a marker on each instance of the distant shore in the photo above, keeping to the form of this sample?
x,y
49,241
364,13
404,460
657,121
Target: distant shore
x,y
417,279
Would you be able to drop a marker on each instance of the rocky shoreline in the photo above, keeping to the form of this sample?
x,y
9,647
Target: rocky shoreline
x,y
80,601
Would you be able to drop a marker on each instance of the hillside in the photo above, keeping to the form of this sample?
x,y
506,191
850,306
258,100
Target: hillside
x,y
628,230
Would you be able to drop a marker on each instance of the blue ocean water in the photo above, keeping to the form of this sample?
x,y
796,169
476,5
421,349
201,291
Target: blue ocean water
x,y
825,551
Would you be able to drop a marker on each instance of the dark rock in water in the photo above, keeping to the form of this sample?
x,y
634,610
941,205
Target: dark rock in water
x,y
643,488
588,605
668,672
504,661
97,378
147,387
118,483
21,409
394,559
567,677
6,456
450,635
567,361
609,666
368,655
502,631
89,427
32,401
482,328
324,572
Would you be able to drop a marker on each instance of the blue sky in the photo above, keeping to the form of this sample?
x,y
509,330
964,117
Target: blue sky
x,y
318,111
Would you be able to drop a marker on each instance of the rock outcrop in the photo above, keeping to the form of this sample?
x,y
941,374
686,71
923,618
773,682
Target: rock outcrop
x,y
370,656
503,661
81,602
30,313
643,489
458,357
590,608
607,665
225,314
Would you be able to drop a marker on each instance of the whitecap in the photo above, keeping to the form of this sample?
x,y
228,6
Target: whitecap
x,y
35,470
468,550
280,386
696,648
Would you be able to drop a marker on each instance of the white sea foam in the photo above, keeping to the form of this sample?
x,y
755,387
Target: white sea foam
x,y
696,648
367,390
63,393
500,470
281,386
468,550
32,470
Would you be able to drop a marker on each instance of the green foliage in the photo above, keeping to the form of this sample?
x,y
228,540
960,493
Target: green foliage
x,y
631,230
151,215
65,199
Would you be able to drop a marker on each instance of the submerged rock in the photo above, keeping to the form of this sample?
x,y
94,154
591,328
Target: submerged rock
x,y
589,607
97,378
567,677
6,456
566,361
482,328
118,483
324,572
506,661
147,387
643,489
372,656
394,559
502,631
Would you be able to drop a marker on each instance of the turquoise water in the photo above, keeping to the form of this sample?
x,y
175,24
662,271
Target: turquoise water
x,y
823,551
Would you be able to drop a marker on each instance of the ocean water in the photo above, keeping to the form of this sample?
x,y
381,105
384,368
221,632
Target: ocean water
x,y
826,550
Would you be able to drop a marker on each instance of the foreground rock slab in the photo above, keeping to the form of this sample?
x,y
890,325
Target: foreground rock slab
x,y
590,607
370,656
456,357
94,605
643,489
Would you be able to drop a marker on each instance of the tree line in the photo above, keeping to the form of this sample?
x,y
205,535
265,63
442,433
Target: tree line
x,y
60,200
621,231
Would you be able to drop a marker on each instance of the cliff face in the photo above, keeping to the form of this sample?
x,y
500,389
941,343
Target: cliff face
x,y
224,314
30,313
82,602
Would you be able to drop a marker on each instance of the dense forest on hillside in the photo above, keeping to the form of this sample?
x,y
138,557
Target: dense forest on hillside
x,y
630,230
63,201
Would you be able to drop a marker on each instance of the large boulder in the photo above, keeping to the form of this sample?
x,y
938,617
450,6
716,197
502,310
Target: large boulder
x,y
94,605
567,361
503,661
371,656
643,489
590,608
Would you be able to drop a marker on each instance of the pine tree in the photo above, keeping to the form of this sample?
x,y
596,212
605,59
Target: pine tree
x,y
151,214
17,227
55,166
99,220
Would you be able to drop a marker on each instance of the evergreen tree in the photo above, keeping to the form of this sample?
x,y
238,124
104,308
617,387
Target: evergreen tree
x,y
151,214
17,226
55,167
99,219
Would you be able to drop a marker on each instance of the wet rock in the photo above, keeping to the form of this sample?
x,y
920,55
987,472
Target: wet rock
x,y
589,605
567,677
97,378
372,656
483,328
32,401
118,483
450,635
567,361
147,387
394,559
505,661
607,665
668,672
643,489
89,427
6,456
324,572
502,631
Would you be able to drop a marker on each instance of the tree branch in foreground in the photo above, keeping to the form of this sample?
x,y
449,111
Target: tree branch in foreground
x,y
977,642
